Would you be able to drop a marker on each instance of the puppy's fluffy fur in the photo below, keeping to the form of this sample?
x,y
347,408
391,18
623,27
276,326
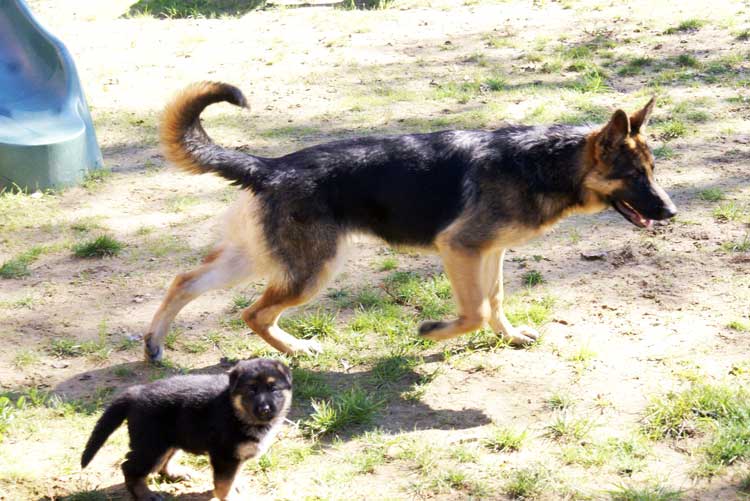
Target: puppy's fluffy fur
x,y
231,417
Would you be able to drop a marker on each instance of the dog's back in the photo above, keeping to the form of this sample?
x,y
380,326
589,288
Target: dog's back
x,y
174,408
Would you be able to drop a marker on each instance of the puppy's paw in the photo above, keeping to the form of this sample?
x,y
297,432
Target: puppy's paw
x,y
150,496
306,347
522,336
177,474
427,329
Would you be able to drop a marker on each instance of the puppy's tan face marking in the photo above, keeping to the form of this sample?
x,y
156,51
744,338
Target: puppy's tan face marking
x,y
260,390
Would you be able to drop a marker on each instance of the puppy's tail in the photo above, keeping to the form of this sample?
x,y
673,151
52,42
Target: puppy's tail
x,y
112,418
186,144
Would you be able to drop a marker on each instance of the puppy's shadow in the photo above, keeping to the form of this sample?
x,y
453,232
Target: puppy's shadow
x,y
391,380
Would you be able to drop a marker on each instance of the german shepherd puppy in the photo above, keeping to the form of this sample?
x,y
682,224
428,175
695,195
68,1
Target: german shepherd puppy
x,y
231,417
469,195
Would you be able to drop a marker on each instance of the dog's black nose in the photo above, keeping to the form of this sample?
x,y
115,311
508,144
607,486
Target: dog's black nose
x,y
668,211
264,411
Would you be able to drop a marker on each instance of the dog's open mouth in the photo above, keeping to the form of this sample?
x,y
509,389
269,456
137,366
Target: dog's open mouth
x,y
631,214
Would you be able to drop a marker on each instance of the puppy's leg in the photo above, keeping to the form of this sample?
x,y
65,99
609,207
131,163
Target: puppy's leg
x,y
137,466
172,471
224,267
225,469
493,284
463,267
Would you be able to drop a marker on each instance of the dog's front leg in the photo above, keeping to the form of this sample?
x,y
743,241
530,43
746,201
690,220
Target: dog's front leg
x,y
492,276
225,469
463,267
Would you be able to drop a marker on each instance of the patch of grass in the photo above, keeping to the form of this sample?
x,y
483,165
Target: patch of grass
x,y
431,297
388,264
503,439
101,246
19,266
123,372
566,427
352,407
96,178
672,129
560,401
365,4
98,349
730,444
585,114
583,354
634,66
678,415
392,369
653,491
532,311
738,246
25,358
369,298
86,496
586,454
240,302
711,194
8,410
729,211
686,25
686,61
739,325
309,385
532,278
175,9
527,483
664,152
181,203
743,35
310,325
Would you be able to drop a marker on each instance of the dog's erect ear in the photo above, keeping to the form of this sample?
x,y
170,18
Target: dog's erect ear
x,y
639,119
616,130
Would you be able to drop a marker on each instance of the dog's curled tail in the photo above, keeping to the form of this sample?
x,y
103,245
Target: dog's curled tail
x,y
112,418
186,144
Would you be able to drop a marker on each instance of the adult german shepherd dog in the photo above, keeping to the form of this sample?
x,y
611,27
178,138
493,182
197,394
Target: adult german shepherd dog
x,y
468,195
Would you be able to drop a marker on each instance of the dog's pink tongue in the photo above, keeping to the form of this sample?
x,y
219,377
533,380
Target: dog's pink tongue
x,y
647,223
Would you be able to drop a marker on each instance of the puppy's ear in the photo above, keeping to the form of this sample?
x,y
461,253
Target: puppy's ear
x,y
234,377
284,369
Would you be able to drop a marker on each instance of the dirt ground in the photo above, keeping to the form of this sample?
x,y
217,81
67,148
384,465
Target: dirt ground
x,y
651,312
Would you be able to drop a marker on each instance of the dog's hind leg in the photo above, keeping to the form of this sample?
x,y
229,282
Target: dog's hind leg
x,y
263,315
492,276
464,268
172,471
222,268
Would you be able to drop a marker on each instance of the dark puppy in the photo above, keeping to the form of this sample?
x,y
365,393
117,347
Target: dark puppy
x,y
231,417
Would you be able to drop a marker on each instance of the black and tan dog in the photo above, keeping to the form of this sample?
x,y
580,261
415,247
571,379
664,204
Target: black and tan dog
x,y
469,195
231,417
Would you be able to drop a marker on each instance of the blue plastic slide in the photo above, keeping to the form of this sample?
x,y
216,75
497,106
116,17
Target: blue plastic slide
x,y
47,139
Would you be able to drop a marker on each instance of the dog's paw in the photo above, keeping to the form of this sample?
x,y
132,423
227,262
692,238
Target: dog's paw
x,y
306,347
430,326
153,354
522,336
